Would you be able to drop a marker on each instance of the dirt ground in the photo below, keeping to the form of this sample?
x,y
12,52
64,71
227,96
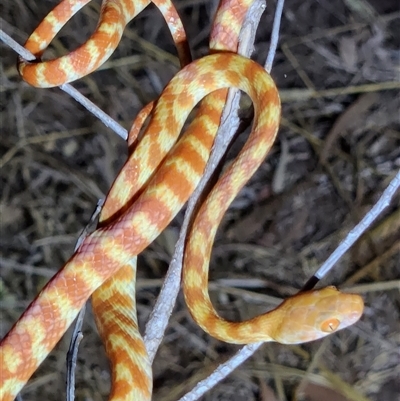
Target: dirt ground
x,y
338,70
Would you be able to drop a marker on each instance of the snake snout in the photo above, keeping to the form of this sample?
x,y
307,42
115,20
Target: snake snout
x,y
354,309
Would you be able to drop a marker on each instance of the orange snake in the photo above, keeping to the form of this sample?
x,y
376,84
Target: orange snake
x,y
151,188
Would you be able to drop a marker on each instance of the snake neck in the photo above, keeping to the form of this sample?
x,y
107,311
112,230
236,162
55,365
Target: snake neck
x,y
259,328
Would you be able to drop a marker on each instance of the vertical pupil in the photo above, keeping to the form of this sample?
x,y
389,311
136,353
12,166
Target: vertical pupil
x,y
330,325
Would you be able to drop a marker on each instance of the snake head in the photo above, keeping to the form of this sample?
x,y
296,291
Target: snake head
x,y
315,314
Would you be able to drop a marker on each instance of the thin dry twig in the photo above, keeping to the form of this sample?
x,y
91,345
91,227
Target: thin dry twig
x,y
274,35
165,303
221,372
67,88
76,338
357,231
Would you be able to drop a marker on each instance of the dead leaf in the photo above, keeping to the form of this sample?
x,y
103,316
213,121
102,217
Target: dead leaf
x,y
314,392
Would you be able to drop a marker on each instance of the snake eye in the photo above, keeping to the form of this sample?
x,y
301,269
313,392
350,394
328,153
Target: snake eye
x,y
330,325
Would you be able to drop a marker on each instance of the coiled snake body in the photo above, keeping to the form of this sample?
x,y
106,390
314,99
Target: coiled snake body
x,y
151,188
